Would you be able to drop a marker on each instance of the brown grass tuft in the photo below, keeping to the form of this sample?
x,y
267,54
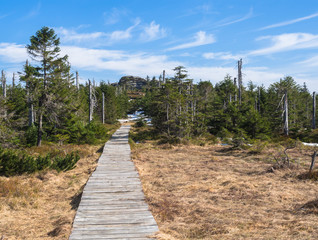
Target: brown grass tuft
x,y
214,192
43,205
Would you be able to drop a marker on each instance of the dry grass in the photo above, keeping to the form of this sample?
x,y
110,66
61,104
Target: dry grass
x,y
43,205
212,192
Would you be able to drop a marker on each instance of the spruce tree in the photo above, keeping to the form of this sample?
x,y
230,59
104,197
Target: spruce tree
x,y
51,75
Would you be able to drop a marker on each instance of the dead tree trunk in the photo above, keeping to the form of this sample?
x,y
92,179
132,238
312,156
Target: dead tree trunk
x,y
40,127
31,114
235,89
259,99
313,159
77,84
240,80
4,84
286,128
164,77
4,88
103,107
90,102
314,110
13,80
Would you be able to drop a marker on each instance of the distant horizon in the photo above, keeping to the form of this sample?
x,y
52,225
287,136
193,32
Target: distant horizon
x,y
106,40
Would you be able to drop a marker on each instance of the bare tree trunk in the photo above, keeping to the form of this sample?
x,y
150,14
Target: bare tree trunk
x,y
40,129
4,88
235,87
314,110
259,99
168,118
240,81
31,114
286,128
313,159
4,84
77,84
103,107
30,104
90,102
13,80
255,103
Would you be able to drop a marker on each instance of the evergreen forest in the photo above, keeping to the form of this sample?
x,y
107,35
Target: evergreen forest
x,y
46,103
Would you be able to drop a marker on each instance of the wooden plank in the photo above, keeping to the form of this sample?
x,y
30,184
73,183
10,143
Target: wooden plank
x,y
112,204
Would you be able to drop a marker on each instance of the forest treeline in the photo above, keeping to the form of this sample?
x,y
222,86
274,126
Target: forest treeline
x,y
49,104
180,108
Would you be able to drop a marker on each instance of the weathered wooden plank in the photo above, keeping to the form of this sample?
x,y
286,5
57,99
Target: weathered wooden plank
x,y
112,204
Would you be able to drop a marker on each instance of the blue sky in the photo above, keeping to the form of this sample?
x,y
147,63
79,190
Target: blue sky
x,y
106,39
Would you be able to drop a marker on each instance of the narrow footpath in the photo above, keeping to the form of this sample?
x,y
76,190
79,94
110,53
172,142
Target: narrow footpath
x,y
112,204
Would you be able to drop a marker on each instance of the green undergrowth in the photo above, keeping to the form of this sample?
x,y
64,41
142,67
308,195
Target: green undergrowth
x,y
14,162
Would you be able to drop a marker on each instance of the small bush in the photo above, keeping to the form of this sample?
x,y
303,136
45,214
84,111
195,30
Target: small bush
x,y
140,123
258,146
15,163
31,136
91,133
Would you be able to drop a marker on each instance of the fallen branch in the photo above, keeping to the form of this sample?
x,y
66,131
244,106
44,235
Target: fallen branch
x,y
313,161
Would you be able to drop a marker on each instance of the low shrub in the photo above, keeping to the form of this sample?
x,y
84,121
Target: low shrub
x,y
13,162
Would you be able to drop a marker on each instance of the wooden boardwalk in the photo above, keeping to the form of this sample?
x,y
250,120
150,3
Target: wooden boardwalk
x,y
112,204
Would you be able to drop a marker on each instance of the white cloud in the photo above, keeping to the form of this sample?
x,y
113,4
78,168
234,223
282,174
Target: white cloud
x,y
72,36
143,64
287,42
215,74
226,22
200,38
119,61
221,56
281,24
95,38
152,32
13,53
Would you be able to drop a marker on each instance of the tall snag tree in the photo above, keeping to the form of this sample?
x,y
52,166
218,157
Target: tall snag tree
x,y
52,75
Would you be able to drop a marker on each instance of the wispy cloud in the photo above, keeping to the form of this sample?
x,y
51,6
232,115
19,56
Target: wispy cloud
x,y
281,24
152,32
139,63
114,16
33,12
221,56
4,16
125,34
310,62
215,74
287,42
204,9
70,35
95,38
200,38
226,22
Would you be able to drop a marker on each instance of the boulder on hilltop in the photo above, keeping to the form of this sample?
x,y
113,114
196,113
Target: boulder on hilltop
x,y
132,82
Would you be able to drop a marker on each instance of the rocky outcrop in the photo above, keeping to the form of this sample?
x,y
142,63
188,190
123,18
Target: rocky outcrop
x,y
131,82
